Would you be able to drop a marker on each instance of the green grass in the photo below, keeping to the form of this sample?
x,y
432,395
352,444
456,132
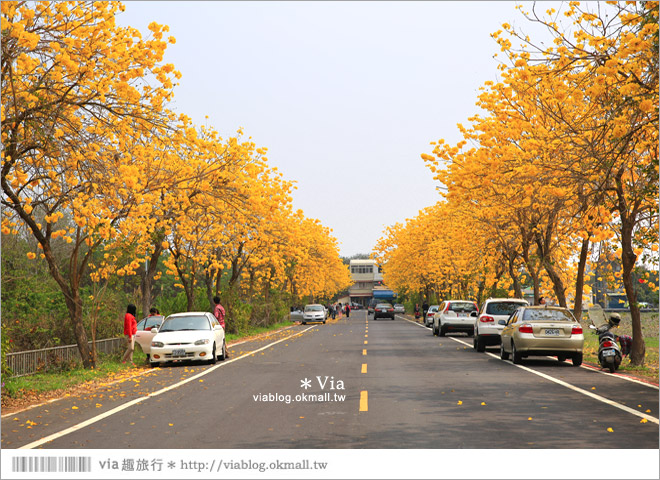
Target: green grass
x,y
650,327
43,382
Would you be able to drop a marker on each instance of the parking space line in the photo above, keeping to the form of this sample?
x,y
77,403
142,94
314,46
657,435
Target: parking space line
x,y
572,387
97,418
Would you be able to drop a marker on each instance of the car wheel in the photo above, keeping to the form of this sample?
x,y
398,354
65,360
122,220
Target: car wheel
x,y
154,364
441,331
504,355
213,357
561,358
223,353
480,344
470,333
323,322
517,357
304,323
577,360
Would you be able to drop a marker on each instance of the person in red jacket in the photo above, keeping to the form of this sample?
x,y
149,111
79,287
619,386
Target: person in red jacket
x,y
348,310
130,329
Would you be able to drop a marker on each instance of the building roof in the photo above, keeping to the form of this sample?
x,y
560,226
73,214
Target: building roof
x,y
363,262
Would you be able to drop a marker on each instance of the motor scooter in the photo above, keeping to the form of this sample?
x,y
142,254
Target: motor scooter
x,y
609,351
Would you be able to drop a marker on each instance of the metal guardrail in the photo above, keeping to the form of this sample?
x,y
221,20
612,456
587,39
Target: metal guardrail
x,y
31,361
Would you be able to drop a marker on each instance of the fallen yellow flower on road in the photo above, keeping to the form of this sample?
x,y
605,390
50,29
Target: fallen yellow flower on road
x,y
460,402
483,403
529,418
609,429
74,408
643,420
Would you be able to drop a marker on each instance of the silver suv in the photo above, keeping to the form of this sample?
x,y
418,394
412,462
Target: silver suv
x,y
487,330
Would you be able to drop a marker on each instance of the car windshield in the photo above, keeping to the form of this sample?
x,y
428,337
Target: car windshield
x,y
313,308
547,314
502,308
383,305
462,307
434,308
188,322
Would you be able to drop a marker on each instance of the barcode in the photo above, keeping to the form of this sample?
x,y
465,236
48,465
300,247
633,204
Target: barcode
x,y
51,464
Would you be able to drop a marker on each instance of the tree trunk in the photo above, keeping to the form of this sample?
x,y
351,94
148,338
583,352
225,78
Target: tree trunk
x,y
628,259
579,282
147,281
517,289
557,283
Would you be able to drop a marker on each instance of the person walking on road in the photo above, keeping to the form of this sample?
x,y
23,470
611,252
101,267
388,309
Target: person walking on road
x,y
348,310
130,329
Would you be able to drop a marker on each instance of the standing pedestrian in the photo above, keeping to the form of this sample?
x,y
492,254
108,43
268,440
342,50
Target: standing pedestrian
x,y
333,311
348,310
130,329
219,312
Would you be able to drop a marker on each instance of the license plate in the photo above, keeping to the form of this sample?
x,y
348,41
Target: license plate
x,y
463,314
552,332
609,353
179,352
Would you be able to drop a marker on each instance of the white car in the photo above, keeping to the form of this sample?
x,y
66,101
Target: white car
x,y
314,313
194,336
454,316
430,314
487,330
145,332
398,308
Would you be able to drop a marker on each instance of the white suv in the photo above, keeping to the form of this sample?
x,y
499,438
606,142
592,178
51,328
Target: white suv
x,y
454,316
487,330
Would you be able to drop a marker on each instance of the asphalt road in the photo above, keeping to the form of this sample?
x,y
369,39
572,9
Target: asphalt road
x,y
375,384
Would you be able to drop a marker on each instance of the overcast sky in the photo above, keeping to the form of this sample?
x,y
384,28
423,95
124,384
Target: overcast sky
x,y
345,95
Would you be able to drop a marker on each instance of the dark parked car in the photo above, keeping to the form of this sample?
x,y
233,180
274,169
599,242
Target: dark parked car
x,y
384,310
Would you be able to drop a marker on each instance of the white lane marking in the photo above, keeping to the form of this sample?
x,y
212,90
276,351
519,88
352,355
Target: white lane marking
x,y
229,345
414,323
622,377
92,420
574,388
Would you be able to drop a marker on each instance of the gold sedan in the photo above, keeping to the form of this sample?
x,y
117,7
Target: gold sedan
x,y
542,330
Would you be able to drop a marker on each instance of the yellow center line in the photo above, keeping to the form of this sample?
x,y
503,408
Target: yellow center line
x,y
366,336
366,341
364,352
364,368
364,402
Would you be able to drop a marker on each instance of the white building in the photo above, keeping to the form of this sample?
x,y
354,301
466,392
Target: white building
x,y
367,282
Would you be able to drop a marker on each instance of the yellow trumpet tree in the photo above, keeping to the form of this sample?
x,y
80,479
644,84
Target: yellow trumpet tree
x,y
73,96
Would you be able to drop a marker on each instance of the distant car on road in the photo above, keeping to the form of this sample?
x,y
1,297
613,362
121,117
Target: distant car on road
x,y
145,335
487,330
454,316
314,313
542,330
194,336
399,308
384,310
